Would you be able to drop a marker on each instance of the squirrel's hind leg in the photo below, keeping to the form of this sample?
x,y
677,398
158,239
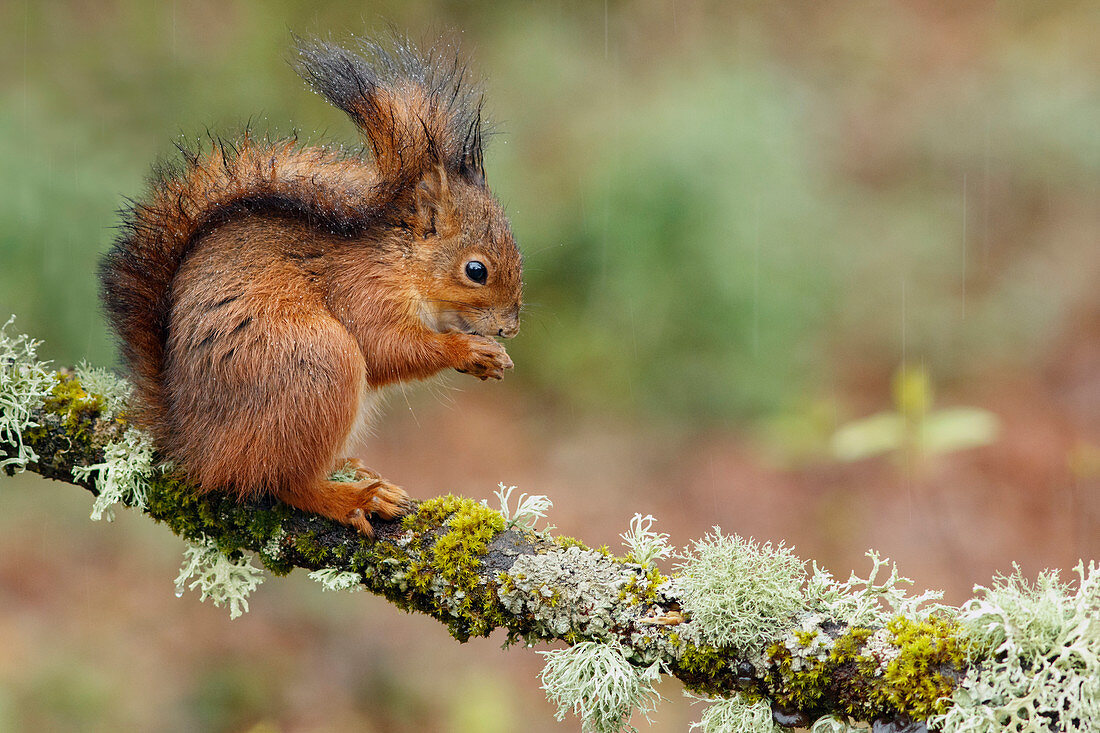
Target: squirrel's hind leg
x,y
263,401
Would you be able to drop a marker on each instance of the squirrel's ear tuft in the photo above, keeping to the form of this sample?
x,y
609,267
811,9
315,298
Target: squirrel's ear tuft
x,y
472,167
418,111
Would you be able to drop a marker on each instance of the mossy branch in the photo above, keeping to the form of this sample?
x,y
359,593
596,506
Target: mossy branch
x,y
739,622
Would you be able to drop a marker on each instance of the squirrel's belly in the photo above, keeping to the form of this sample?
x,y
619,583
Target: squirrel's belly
x,y
371,401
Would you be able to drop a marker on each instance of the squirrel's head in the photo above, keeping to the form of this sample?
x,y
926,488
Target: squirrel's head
x,y
465,264
421,117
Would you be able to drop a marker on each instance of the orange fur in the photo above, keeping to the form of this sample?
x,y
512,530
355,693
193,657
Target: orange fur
x,y
262,291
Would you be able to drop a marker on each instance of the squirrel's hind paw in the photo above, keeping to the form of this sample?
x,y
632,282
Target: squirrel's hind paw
x,y
376,498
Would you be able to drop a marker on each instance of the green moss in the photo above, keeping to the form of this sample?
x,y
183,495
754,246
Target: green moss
x,y
837,674
846,648
855,676
67,394
705,670
308,545
800,689
505,583
642,589
915,684
805,638
77,408
35,434
237,526
453,556
915,681
458,553
565,542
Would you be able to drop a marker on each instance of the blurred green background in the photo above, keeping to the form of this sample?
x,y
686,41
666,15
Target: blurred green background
x,y
738,220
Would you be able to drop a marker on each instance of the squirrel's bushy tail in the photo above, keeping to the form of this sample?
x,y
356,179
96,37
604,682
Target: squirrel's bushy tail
x,y
417,112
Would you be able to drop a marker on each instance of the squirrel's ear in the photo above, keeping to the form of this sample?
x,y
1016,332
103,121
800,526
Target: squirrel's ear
x,y
432,198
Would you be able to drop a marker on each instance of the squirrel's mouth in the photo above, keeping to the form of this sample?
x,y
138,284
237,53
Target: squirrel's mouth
x,y
461,324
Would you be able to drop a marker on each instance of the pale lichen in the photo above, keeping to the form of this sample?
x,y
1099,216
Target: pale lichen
x,y
737,715
338,580
833,724
115,391
346,473
123,476
645,546
863,649
570,590
24,383
1041,668
529,509
738,593
597,682
224,580
274,550
872,601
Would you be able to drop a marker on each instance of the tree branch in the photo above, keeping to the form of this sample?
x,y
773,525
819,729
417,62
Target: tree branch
x,y
738,621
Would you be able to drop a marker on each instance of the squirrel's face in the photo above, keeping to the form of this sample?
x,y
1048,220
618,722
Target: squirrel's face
x,y
468,268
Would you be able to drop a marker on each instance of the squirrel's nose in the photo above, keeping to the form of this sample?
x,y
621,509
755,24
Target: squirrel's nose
x,y
510,323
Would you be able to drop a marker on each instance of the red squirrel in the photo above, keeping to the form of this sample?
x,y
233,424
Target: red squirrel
x,y
264,293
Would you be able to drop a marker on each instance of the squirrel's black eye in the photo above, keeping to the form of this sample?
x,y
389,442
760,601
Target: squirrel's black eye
x,y
477,272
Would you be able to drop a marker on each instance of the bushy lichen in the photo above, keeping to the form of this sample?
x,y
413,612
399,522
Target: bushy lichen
x,y
1041,648
224,580
739,593
337,580
113,391
872,601
24,384
345,473
863,649
123,476
597,682
833,724
737,715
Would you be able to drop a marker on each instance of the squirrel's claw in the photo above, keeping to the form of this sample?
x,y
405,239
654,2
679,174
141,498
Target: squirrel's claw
x,y
376,497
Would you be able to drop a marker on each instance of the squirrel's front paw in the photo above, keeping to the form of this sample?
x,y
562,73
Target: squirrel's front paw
x,y
486,359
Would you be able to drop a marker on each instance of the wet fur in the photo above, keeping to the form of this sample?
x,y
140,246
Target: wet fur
x,y
263,292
